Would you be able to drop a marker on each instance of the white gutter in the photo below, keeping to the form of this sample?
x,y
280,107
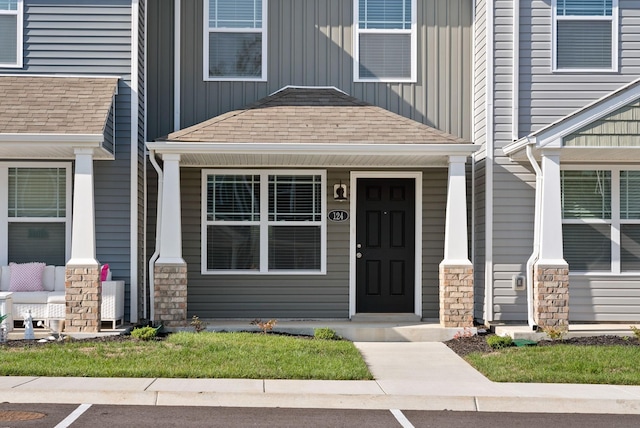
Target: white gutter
x,y
156,253
488,264
536,237
515,90
362,149
133,200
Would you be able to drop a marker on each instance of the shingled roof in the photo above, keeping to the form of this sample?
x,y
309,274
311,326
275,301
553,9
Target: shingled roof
x,y
312,115
55,105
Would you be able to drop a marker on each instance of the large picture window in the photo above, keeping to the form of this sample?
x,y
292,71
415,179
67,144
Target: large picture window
x,y
11,33
586,34
37,214
601,220
264,222
385,40
235,42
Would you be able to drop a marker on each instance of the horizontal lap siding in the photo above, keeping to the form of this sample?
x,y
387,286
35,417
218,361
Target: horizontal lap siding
x,y
434,195
81,37
304,296
602,299
265,296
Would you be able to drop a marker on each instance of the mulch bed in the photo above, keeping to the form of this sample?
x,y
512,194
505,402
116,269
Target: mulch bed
x,y
466,345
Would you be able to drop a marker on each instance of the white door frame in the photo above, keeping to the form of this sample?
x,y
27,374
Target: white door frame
x,y
417,176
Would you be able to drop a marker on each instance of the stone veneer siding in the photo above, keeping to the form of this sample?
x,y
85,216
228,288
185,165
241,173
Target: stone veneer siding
x,y
456,296
170,294
551,296
83,297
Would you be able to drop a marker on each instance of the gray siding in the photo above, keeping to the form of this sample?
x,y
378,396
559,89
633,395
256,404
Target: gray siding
x,y
310,44
480,73
304,296
618,129
479,230
82,37
544,97
604,299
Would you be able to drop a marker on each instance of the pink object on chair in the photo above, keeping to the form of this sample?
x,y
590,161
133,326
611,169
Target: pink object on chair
x,y
104,272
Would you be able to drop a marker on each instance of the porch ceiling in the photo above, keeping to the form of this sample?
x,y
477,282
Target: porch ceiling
x,y
44,117
312,127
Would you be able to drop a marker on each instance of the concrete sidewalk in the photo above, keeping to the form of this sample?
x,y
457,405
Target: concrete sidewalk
x,y
409,376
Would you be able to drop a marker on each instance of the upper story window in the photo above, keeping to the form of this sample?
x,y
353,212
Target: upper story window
x,y
586,35
601,220
11,33
385,40
235,40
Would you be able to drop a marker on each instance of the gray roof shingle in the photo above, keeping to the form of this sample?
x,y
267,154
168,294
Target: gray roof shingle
x,y
312,115
55,105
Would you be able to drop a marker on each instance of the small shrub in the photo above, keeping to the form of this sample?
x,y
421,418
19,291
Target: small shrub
x,y
555,332
198,324
265,326
636,331
499,342
325,333
144,333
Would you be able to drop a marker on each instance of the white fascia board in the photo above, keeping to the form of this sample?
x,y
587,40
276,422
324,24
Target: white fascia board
x,y
315,149
89,139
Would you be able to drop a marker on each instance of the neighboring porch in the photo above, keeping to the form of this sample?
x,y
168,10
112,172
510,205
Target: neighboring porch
x,y
585,262
314,142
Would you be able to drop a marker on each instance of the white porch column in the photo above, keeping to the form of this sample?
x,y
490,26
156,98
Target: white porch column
x,y
83,289
551,218
170,270
83,229
455,229
170,221
456,271
551,271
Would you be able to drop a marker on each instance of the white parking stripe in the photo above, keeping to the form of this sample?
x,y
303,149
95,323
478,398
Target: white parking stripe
x,y
73,416
400,417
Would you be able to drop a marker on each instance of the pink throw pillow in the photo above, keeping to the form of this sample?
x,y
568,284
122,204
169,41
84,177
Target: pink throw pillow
x,y
26,276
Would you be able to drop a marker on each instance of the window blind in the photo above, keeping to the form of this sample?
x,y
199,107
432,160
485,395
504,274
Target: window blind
x,y
583,44
385,56
384,14
8,39
584,7
586,194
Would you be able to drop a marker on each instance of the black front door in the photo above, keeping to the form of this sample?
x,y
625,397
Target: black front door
x,y
385,245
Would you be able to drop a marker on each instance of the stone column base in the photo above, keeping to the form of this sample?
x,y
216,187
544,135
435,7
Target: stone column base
x,y
456,296
551,296
83,298
170,294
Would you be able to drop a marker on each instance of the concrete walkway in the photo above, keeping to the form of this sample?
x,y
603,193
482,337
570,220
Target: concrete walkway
x,y
409,376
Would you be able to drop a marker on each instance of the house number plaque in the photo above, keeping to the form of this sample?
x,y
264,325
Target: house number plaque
x,y
338,215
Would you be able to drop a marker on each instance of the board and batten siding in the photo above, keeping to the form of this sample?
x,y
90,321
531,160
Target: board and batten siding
x,y
480,73
82,37
302,296
310,43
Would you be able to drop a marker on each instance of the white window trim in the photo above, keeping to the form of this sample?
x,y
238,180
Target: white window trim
x,y
19,13
264,222
4,206
614,39
205,46
615,221
414,45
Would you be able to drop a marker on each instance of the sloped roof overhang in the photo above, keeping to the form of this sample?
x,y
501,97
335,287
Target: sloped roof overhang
x,y
48,117
314,127
551,136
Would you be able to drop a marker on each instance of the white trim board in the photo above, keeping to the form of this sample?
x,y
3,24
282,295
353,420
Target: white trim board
x,y
417,176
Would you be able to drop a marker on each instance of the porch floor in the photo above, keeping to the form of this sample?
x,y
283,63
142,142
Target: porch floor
x,y
356,331
575,330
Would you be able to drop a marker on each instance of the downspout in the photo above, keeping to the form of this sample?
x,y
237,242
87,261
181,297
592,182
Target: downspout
x,y
156,253
536,237
488,271
515,90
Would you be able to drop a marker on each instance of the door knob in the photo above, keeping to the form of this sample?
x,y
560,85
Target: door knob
x,y
358,255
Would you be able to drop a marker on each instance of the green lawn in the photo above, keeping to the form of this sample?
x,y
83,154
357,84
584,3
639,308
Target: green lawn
x,y
191,355
618,365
